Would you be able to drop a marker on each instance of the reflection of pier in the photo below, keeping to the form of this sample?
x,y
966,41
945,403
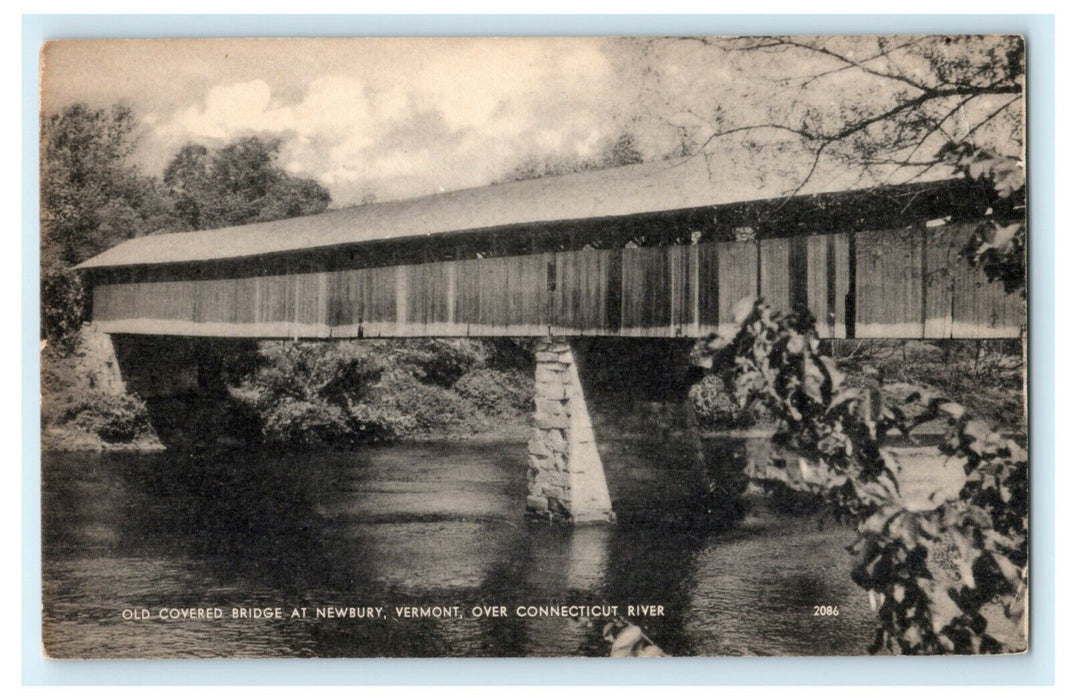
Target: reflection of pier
x,y
653,250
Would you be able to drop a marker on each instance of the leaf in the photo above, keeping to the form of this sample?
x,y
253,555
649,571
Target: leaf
x,y
898,592
941,607
906,530
795,343
743,309
830,367
912,636
1008,176
842,396
951,409
966,557
876,523
1001,236
1011,573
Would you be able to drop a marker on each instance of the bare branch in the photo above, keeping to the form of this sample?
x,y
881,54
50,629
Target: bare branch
x,y
989,117
860,65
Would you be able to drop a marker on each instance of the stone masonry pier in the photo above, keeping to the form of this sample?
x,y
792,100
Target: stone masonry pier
x,y
565,477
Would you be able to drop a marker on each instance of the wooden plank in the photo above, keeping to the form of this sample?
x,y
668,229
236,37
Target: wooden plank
x,y
646,294
775,273
467,293
682,314
942,258
980,309
798,269
841,245
579,304
889,284
708,288
613,290
737,275
819,271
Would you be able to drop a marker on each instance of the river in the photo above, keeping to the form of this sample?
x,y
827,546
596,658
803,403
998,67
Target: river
x,y
126,536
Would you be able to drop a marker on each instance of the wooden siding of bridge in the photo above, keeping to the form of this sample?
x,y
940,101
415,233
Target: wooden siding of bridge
x,y
908,284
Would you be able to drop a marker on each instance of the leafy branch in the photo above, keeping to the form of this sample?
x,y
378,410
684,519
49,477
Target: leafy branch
x,y
831,442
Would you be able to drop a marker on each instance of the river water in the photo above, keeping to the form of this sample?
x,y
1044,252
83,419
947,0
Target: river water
x,y
126,536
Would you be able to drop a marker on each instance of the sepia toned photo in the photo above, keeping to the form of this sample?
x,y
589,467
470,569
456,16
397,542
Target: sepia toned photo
x,y
534,347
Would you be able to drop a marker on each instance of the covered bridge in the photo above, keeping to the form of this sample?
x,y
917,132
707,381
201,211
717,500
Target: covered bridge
x,y
660,249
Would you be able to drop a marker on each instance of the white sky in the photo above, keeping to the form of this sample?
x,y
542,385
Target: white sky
x,y
396,117
405,117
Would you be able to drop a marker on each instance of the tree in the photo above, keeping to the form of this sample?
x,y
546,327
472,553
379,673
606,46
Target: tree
x,y
886,108
237,184
614,153
186,176
91,196
91,199
622,151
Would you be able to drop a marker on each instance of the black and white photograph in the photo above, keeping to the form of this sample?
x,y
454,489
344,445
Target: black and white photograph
x,y
619,346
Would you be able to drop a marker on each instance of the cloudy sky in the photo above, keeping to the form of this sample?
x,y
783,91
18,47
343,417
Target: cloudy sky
x,y
404,117
394,117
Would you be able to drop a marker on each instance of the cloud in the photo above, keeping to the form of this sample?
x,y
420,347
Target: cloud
x,y
232,109
457,116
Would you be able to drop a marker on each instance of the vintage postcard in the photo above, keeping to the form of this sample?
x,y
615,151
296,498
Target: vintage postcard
x,y
534,347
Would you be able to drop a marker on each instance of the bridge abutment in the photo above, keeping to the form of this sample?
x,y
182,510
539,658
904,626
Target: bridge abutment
x,y
181,381
565,476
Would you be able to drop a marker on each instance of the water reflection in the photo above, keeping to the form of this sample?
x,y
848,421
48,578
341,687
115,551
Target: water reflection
x,y
409,525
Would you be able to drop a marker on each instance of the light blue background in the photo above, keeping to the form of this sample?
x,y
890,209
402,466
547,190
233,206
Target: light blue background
x,y
1036,667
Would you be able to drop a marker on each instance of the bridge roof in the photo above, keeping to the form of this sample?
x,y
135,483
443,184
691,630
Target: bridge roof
x,y
643,188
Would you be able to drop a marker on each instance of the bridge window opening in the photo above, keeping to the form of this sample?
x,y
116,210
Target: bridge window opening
x,y
744,233
551,276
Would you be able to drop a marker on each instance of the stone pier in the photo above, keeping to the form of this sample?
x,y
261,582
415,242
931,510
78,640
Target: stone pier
x,y
565,477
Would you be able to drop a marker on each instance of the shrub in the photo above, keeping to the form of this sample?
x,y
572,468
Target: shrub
x,y
714,407
374,422
114,419
438,361
62,307
426,408
497,393
303,391
304,422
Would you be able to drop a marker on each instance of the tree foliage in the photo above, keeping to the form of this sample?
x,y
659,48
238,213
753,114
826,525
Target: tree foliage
x,y
237,184
91,196
307,393
831,442
883,104
998,245
620,151
91,199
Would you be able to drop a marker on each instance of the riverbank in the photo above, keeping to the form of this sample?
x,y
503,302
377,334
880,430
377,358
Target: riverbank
x,y
293,394
347,393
